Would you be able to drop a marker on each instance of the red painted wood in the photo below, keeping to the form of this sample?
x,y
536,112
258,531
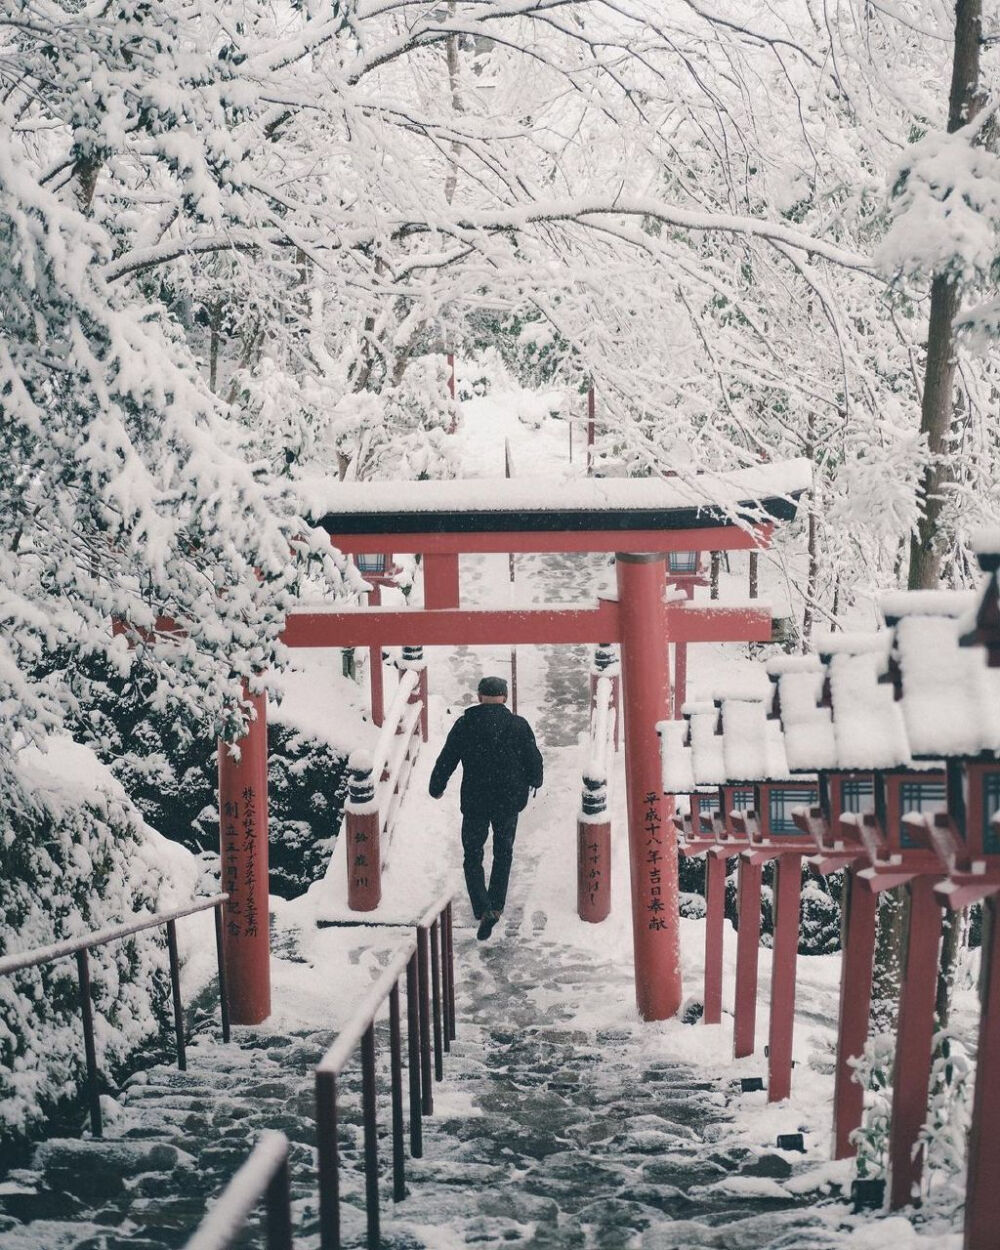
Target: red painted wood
x,y
715,923
747,944
680,677
983,1186
914,1032
376,683
593,871
652,837
860,912
364,860
441,585
787,897
243,852
484,626
708,538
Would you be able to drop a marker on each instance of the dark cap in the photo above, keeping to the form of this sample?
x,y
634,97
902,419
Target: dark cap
x,y
493,688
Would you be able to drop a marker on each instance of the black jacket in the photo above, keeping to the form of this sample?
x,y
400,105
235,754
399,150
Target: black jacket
x,y
499,759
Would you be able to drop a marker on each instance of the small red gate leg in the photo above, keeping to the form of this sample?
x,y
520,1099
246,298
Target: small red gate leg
x,y
715,921
593,870
860,909
787,897
983,1184
914,1035
375,675
747,944
243,847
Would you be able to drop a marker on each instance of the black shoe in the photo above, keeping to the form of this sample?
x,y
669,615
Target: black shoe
x,y
486,925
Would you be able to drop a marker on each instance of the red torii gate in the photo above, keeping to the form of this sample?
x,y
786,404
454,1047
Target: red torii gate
x,y
640,520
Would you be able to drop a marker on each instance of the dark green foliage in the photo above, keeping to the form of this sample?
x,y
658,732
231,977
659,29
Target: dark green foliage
x,y
169,768
820,917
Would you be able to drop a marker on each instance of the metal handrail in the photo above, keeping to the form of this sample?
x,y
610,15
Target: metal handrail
x,y
81,946
427,960
264,1175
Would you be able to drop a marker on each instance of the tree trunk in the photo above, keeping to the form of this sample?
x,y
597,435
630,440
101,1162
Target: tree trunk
x,y
937,410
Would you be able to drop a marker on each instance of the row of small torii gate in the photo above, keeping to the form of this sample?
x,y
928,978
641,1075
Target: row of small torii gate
x,y
641,521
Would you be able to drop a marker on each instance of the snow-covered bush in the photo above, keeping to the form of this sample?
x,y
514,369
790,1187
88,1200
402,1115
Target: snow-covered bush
x,y
78,858
873,1071
400,433
949,1112
481,374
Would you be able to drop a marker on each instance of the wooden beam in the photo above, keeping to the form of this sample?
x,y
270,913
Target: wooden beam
x,y
706,538
442,627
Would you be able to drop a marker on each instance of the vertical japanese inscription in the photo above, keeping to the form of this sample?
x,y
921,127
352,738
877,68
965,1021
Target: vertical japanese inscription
x,y
249,823
231,866
652,827
359,859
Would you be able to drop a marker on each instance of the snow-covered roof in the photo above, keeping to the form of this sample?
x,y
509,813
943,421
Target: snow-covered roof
x,y
810,744
897,604
705,499
676,761
951,699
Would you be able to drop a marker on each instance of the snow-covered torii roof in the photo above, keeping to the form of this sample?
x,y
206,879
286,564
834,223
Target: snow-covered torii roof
x,y
741,497
749,750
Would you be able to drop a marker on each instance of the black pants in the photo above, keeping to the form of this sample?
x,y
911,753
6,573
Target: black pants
x,y
475,831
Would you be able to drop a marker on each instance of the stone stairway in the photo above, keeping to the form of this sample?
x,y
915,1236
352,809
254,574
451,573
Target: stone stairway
x,y
546,1134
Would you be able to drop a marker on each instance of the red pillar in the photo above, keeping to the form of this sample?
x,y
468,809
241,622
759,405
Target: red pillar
x,y
243,845
441,580
680,677
914,1035
860,911
747,944
983,1184
787,897
715,923
440,591
652,838
375,674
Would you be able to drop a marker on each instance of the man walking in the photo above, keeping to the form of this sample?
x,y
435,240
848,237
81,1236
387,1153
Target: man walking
x,y
500,762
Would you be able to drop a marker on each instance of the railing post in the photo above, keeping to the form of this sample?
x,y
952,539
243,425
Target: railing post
x,y
984,1150
860,906
413,1056
593,853
451,971
371,1134
747,944
436,998
413,658
914,1036
220,950
787,900
606,663
396,1070
715,923
362,836
278,1206
424,978
87,1009
175,991
329,1160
